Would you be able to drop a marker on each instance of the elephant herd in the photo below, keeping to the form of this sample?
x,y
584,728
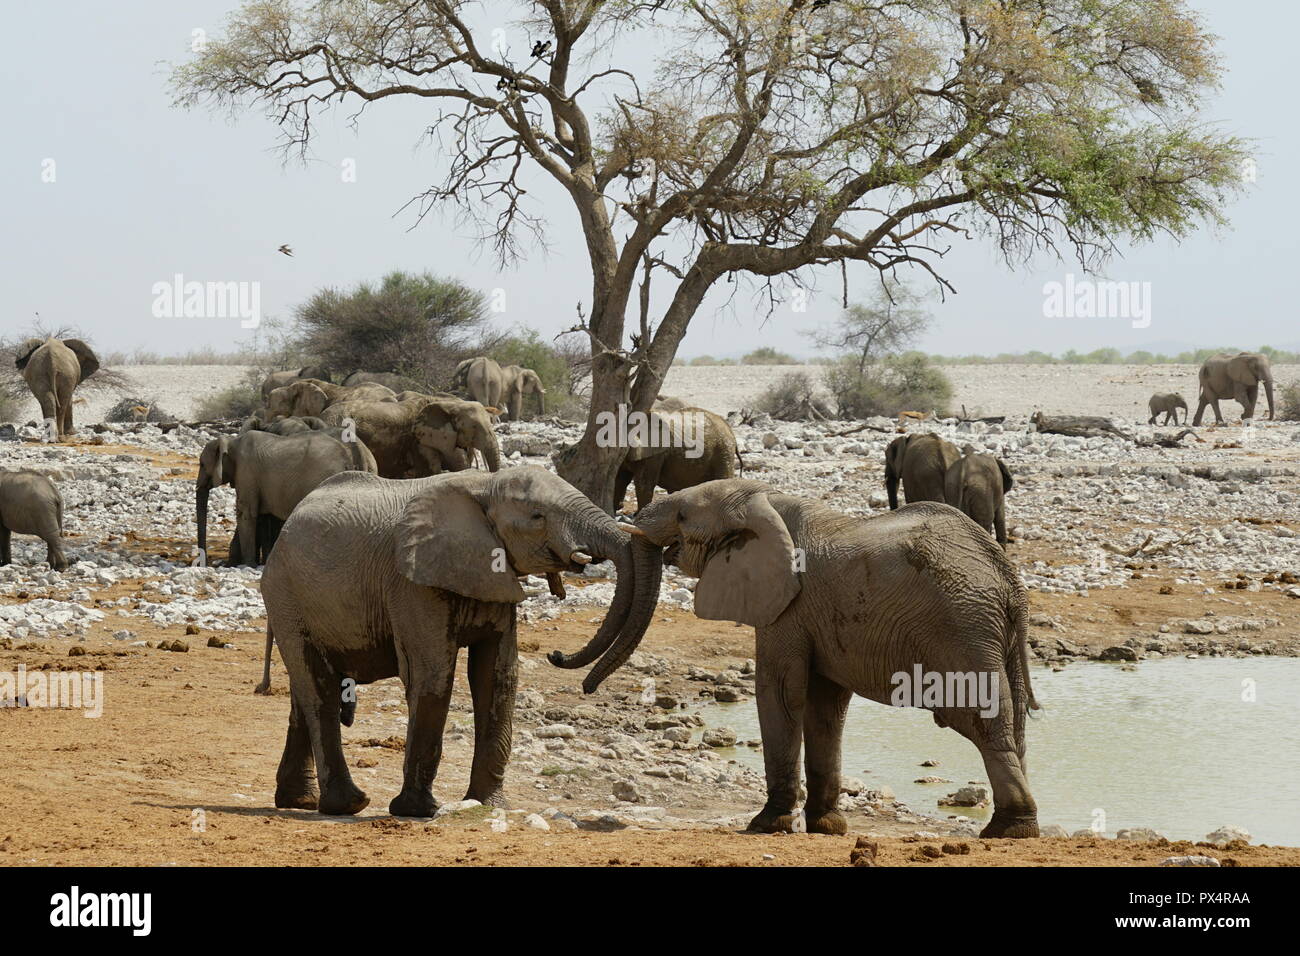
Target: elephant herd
x,y
386,553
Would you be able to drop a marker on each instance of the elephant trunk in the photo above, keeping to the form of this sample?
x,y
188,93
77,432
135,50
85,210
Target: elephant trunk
x,y
648,566
491,451
201,490
606,540
1268,390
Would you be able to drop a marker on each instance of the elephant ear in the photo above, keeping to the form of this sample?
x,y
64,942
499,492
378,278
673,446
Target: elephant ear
x,y
23,353
444,540
751,578
1006,476
85,356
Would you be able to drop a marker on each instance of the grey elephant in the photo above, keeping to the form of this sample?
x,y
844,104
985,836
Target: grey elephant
x,y
701,447
1236,377
921,463
516,383
421,436
293,425
375,578
309,397
844,606
482,380
1167,404
391,380
53,368
31,504
976,486
271,474
277,379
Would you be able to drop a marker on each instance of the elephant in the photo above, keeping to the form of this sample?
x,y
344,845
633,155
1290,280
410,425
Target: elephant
x,y
374,578
921,463
391,380
975,486
308,397
844,605
53,368
277,379
675,464
483,380
290,426
31,504
1236,377
271,474
516,382
1168,403
421,436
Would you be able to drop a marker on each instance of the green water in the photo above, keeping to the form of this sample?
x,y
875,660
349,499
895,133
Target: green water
x,y
1171,745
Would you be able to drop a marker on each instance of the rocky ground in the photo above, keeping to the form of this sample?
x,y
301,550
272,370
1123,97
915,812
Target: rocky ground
x,y
1128,554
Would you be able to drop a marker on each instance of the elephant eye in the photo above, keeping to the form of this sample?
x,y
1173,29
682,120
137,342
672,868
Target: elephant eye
x,y
538,516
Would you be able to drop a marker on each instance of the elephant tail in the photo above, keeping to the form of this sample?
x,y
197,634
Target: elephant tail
x,y
741,461
1017,665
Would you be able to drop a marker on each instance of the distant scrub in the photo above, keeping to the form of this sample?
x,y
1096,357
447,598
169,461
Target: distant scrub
x,y
768,356
236,401
1110,356
1289,407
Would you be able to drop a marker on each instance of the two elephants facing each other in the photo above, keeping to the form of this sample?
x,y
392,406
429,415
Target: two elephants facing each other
x,y
1237,377
422,435
932,469
374,578
31,504
844,605
52,369
498,386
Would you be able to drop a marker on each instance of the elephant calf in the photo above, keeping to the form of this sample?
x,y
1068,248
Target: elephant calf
x,y
700,447
1166,403
975,486
844,605
30,504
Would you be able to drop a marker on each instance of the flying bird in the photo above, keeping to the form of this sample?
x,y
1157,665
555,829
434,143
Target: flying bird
x,y
286,250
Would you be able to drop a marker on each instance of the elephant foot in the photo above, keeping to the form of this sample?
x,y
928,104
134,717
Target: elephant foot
x,y
296,798
1011,825
831,821
342,800
494,798
773,821
413,803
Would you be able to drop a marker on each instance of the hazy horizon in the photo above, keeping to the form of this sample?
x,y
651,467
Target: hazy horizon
x,y
144,192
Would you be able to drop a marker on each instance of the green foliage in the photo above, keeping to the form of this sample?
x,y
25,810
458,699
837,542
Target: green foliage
x,y
419,326
1289,404
553,366
237,401
768,356
907,382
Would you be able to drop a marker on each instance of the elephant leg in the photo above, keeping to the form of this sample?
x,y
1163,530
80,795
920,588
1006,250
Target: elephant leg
x,y
295,780
493,671
823,732
314,685
621,481
1000,524
65,417
781,683
6,547
1200,411
647,479
1218,415
1247,396
428,669
246,515
54,555
1014,812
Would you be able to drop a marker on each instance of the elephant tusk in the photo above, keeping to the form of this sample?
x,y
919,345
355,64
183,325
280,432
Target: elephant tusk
x,y
580,557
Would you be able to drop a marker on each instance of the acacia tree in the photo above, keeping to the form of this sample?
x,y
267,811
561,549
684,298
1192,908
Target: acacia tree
x,y
772,137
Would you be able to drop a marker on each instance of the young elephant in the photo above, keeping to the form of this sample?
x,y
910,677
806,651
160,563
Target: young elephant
x,y
921,463
1167,403
844,605
30,504
975,486
422,435
310,397
374,578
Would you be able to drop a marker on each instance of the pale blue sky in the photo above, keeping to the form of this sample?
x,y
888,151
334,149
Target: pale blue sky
x,y
144,191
